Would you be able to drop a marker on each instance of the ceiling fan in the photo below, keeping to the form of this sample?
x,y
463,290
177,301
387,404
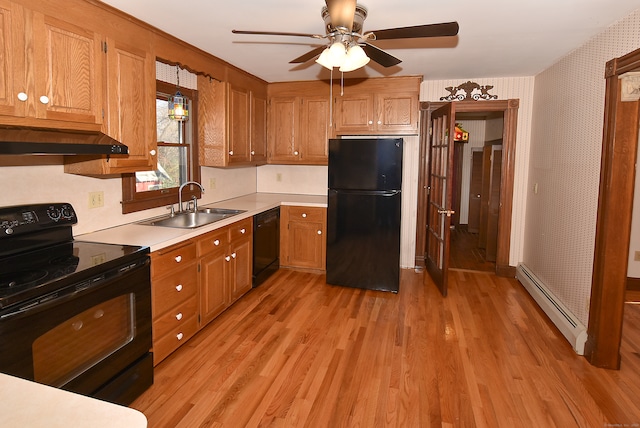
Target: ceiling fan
x,y
348,47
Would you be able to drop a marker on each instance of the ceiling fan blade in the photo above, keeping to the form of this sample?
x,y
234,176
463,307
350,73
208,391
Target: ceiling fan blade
x,y
381,57
278,33
419,31
341,13
309,55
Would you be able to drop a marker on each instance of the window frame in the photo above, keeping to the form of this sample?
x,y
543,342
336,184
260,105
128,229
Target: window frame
x,y
133,201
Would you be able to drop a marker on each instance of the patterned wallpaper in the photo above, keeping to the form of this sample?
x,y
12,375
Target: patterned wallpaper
x,y
566,142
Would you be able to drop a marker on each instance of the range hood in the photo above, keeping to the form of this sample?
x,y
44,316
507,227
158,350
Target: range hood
x,y
21,140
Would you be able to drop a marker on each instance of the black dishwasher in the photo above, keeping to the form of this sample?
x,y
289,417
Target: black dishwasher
x,y
266,245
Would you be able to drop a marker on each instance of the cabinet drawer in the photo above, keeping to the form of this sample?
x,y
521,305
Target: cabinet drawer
x,y
175,318
212,241
173,289
314,214
165,345
241,229
169,259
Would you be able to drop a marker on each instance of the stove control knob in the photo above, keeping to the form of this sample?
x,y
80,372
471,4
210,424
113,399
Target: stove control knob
x,y
8,231
53,213
67,212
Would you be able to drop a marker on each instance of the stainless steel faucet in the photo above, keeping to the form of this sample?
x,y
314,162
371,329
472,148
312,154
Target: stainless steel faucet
x,y
180,192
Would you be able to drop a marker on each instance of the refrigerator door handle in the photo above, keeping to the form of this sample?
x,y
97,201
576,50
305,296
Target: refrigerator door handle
x,y
384,193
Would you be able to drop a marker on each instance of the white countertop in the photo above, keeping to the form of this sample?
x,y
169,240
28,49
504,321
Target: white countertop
x,y
157,237
32,405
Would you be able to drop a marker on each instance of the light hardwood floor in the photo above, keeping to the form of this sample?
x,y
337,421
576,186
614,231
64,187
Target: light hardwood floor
x,y
296,352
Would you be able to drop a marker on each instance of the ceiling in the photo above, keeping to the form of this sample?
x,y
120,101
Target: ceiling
x,y
497,38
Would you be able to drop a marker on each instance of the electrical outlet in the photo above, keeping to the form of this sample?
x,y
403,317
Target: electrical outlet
x,y
96,199
636,256
212,183
279,176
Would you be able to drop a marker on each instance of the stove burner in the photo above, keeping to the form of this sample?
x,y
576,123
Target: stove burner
x,y
22,279
68,259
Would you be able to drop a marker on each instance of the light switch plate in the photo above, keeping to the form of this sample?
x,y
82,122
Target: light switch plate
x,y
96,199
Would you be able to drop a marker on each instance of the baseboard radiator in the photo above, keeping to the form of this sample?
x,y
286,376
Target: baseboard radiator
x,y
567,323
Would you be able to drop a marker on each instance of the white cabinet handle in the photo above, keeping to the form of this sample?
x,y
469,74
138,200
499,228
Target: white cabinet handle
x,y
44,99
216,242
253,152
319,232
22,96
243,230
152,152
179,316
179,288
379,122
371,122
228,258
230,152
295,153
304,215
179,336
233,255
178,259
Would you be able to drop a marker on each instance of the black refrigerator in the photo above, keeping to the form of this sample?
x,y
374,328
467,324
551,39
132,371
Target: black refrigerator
x,y
363,216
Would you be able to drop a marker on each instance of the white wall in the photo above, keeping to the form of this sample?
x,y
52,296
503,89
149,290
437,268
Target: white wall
x,y
565,159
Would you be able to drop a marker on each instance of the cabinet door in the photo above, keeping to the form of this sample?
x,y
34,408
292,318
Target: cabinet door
x,y
314,130
239,147
258,130
67,71
397,112
12,59
131,106
305,244
354,113
214,276
241,260
283,122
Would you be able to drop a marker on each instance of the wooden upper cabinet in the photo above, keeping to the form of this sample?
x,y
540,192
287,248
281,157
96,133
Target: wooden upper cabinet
x,y
378,106
231,122
12,59
299,123
51,69
130,113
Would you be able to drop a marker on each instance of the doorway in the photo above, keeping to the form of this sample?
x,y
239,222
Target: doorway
x,y
506,111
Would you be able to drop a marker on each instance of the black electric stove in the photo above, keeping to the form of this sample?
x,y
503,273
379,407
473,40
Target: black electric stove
x,y
38,254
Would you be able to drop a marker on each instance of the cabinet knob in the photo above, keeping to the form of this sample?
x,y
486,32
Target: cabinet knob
x,y
243,230
179,316
319,232
379,122
216,242
178,259
179,336
152,152
179,288
22,96
304,215
371,122
44,99
230,152
233,255
253,152
228,258
295,153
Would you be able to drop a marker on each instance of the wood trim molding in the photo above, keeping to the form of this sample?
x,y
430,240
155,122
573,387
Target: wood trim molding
x,y
510,109
613,226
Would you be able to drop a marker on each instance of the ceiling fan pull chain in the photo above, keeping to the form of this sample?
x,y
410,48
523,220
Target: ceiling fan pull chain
x,y
341,83
331,99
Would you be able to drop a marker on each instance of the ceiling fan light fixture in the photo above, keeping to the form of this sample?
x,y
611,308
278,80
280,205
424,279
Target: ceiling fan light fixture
x,y
355,58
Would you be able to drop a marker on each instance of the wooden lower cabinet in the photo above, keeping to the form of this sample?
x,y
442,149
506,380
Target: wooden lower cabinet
x,y
225,263
174,291
302,237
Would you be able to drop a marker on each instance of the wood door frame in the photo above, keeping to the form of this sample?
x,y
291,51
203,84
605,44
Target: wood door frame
x,y
510,111
615,213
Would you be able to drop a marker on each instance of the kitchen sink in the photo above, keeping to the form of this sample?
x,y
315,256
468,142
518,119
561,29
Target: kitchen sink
x,y
191,220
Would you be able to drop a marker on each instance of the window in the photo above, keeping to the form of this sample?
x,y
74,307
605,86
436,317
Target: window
x,y
177,157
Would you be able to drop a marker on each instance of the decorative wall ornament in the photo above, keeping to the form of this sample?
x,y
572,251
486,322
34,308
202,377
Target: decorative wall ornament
x,y
630,87
469,91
